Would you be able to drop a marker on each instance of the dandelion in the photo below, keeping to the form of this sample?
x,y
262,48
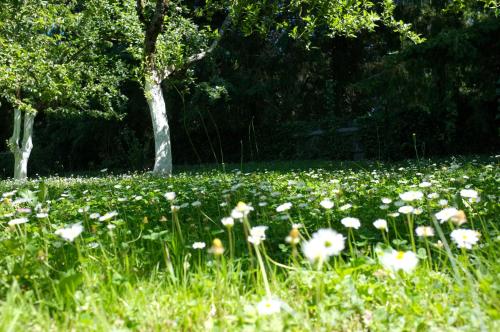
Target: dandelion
x,y
465,238
227,221
406,209
398,260
411,196
196,204
70,233
294,236
217,248
170,196
284,207
42,215
175,208
108,216
424,231
459,218
425,184
199,245
380,224
268,307
17,221
351,222
326,204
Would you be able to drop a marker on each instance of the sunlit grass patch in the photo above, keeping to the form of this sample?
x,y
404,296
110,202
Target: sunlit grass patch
x,y
393,247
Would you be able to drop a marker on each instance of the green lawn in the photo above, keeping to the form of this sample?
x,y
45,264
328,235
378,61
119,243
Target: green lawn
x,y
115,252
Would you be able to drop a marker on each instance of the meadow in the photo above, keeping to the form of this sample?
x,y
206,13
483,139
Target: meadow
x,y
319,246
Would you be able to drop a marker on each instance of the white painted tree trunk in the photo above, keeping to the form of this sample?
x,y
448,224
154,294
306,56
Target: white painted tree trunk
x,y
22,148
161,130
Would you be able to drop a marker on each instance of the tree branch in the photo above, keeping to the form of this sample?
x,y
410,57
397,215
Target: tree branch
x,y
202,54
198,56
154,28
140,11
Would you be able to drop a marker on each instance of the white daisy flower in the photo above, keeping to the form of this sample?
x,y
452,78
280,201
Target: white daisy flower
x,y
17,221
227,221
424,231
465,238
398,260
268,307
386,200
326,204
241,210
443,202
380,224
199,245
108,216
71,232
406,209
351,222
284,207
446,214
324,243
411,196
170,196
257,235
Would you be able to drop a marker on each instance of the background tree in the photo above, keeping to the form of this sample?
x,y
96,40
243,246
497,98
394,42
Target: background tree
x,y
50,61
171,40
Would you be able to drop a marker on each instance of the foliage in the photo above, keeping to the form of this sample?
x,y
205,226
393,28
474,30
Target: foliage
x,y
50,58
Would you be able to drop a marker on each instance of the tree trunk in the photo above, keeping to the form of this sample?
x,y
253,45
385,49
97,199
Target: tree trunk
x,y
161,130
22,149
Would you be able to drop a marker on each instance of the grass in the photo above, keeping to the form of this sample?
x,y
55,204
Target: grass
x,y
137,269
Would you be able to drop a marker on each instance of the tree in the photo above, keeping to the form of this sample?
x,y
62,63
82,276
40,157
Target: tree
x,y
51,61
172,39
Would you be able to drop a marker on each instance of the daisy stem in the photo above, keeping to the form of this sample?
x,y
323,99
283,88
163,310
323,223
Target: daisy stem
x,y
410,229
231,244
350,239
178,226
429,262
246,229
263,271
319,283
385,237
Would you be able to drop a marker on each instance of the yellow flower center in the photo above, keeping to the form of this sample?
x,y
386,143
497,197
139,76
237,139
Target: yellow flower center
x,y
400,255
